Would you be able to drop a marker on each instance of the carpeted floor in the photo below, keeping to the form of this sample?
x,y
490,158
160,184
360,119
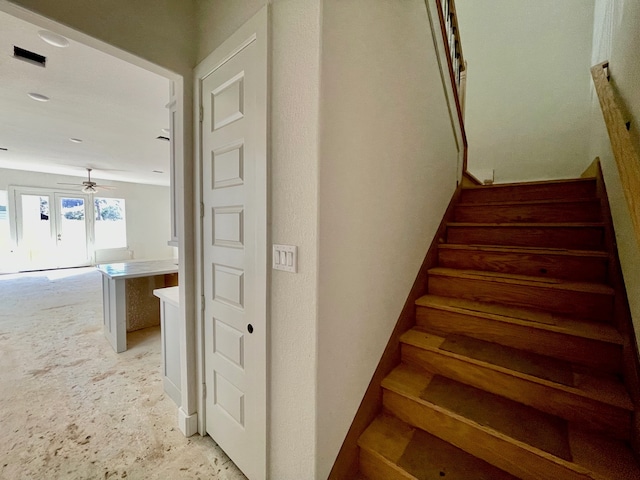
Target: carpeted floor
x,y
70,407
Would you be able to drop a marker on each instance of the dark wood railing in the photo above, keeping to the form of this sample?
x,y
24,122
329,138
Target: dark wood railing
x,y
457,66
449,19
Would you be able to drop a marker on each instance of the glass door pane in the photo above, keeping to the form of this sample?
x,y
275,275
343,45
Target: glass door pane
x,y
35,241
71,230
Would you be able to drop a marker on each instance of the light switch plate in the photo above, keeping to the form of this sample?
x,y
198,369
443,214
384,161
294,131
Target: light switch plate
x,y
285,258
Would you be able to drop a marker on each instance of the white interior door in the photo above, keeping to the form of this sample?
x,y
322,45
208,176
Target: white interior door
x,y
234,226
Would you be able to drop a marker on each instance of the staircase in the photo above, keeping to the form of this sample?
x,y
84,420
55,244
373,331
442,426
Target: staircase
x,y
513,368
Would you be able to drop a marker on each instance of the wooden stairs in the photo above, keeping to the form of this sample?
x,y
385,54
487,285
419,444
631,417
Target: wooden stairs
x,y
514,367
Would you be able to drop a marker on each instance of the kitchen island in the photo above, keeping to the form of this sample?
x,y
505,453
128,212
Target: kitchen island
x,y
127,296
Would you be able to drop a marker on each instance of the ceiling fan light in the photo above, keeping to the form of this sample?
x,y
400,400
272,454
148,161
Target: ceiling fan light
x,y
53,39
89,189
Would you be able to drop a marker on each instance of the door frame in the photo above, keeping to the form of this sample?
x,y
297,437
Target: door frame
x,y
256,30
182,136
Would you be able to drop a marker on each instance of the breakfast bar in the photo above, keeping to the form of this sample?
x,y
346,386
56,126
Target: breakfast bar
x,y
127,296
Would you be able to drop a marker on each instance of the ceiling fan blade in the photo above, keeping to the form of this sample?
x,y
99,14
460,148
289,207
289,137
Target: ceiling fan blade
x,y
105,187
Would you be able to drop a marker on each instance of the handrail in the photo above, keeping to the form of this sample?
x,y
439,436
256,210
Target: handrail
x,y
624,152
456,63
450,16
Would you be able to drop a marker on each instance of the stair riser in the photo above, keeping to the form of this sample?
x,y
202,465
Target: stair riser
x,y
587,305
602,356
586,269
582,238
524,193
376,467
588,413
551,212
511,457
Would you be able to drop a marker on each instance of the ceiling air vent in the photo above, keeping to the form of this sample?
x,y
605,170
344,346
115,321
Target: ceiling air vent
x,y
27,56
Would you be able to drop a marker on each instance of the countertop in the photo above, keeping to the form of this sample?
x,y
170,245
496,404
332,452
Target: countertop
x,y
138,269
169,295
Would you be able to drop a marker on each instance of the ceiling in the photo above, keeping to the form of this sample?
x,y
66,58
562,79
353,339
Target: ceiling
x,y
117,109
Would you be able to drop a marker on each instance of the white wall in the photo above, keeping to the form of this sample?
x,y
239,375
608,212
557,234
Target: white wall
x,y
527,107
617,39
218,19
147,209
387,173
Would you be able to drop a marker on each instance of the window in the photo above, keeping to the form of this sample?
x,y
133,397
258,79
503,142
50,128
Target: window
x,y
5,232
110,225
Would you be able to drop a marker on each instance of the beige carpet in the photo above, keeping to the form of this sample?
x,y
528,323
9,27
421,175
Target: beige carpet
x,y
70,407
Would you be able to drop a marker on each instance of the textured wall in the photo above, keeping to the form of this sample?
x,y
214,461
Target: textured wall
x,y
218,19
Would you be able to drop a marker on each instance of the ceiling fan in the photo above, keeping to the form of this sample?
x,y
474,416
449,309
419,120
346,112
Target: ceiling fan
x,y
88,186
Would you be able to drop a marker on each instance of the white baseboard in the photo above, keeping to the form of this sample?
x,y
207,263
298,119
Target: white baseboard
x,y
188,424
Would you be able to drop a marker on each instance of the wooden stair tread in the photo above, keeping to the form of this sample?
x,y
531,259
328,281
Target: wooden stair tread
x,y
573,235
526,317
511,418
527,366
534,211
526,250
568,264
497,186
528,224
423,456
537,190
555,442
544,201
532,281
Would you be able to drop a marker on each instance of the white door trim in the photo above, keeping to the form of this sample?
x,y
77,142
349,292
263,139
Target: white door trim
x,y
256,31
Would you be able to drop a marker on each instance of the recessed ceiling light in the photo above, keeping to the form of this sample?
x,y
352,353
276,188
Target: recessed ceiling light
x,y
38,97
53,39
75,140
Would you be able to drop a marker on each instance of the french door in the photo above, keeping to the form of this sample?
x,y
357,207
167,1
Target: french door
x,y
52,228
